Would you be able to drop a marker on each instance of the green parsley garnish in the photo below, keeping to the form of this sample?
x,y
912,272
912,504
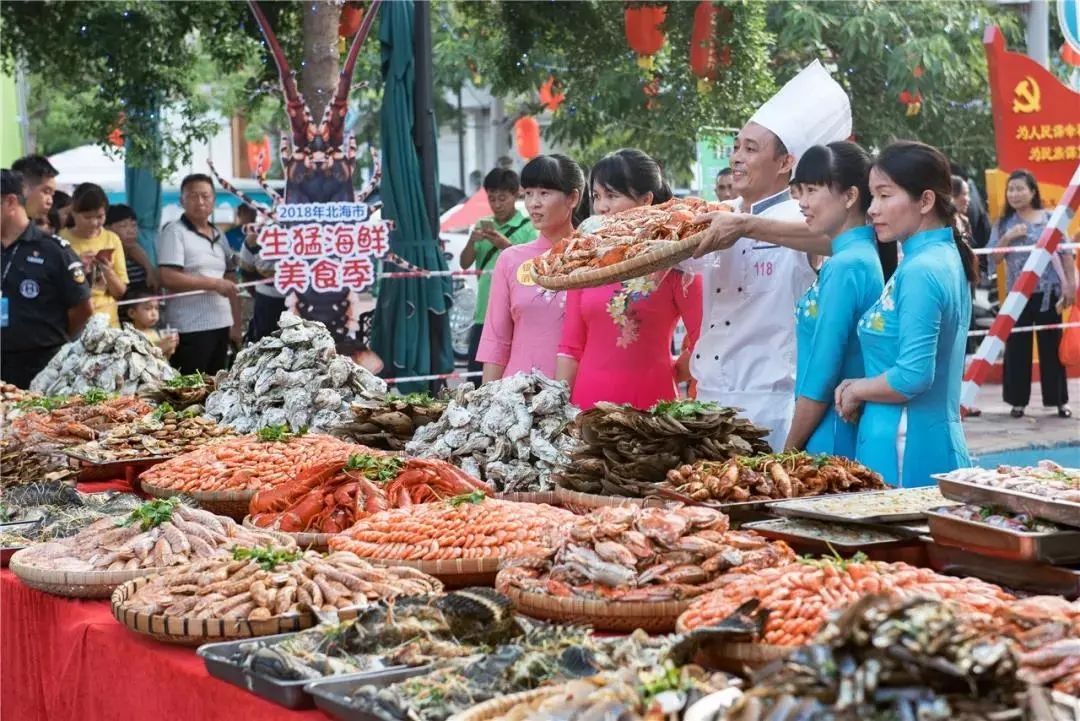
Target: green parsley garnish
x,y
476,496
191,380
375,468
152,513
683,408
94,396
267,557
280,432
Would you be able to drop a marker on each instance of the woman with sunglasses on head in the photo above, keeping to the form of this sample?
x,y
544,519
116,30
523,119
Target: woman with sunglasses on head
x,y
523,321
914,337
601,360
831,184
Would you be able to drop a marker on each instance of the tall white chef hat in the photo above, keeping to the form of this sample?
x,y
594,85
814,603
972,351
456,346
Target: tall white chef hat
x,y
811,109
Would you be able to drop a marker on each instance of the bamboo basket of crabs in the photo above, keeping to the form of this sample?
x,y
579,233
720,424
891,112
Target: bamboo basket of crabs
x,y
629,244
330,497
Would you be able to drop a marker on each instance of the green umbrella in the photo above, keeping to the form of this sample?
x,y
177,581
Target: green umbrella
x,y
411,330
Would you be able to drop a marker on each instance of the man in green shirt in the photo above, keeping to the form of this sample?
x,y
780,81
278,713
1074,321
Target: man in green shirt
x,y
490,236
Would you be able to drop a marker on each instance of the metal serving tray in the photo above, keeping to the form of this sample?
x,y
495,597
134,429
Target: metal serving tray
x,y
1022,575
290,694
1015,501
1055,548
823,508
780,528
332,695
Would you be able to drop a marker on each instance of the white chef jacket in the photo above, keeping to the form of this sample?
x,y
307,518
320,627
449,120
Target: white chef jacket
x,y
745,356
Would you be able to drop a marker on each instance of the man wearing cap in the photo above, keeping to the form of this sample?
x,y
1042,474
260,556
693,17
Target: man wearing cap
x,y
44,297
745,356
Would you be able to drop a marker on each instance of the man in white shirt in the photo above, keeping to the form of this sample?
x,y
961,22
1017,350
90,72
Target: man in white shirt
x,y
745,356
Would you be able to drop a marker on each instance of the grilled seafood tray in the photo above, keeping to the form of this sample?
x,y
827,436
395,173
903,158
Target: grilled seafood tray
x,y
898,505
290,694
333,696
1054,548
1020,575
1015,501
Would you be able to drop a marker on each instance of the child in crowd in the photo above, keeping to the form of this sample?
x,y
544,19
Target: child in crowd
x,y
142,275
144,316
100,250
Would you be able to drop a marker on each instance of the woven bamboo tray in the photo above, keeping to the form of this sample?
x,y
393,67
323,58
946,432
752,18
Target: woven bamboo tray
x,y
616,616
455,573
314,541
233,504
72,584
190,631
665,257
740,657
551,498
579,502
497,707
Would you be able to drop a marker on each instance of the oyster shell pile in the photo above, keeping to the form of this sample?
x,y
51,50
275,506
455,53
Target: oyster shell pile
x,y
626,452
115,360
388,425
292,377
511,433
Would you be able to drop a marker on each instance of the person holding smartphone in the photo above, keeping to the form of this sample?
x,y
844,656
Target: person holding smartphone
x,y
101,250
490,236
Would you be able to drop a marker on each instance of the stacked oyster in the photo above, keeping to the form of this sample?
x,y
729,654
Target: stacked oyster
x,y
511,433
292,377
116,360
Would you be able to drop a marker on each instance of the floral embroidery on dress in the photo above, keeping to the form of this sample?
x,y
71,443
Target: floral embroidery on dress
x,y
874,319
619,308
808,304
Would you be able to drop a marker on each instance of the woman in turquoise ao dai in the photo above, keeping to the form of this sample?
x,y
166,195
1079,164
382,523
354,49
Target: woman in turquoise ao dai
x,y
913,338
831,183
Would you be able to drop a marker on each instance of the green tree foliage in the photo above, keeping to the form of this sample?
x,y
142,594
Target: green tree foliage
x,y
515,46
879,50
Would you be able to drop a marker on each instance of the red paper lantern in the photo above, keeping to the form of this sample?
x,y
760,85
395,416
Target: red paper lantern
x,y
706,57
643,31
350,20
116,137
527,137
549,98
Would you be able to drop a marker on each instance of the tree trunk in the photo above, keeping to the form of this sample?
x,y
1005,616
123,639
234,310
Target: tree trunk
x,y
319,72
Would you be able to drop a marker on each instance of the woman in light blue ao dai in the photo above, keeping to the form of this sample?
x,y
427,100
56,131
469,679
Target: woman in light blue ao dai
x,y
831,184
913,339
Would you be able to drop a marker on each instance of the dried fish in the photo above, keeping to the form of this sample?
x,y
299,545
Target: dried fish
x,y
116,360
627,452
293,377
513,432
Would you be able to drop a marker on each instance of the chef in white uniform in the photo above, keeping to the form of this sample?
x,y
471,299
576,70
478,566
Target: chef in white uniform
x,y
745,356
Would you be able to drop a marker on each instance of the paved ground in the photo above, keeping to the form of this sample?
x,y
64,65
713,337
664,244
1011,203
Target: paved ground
x,y
1040,427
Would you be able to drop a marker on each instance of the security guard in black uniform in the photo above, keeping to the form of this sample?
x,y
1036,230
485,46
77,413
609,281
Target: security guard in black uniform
x,y
44,296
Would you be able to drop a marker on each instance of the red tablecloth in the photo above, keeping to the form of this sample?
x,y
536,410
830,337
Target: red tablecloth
x,y
65,659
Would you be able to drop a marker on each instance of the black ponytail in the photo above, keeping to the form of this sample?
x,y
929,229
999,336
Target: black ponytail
x,y
918,167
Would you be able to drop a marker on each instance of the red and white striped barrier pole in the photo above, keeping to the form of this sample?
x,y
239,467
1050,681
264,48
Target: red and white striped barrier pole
x,y
436,377
993,344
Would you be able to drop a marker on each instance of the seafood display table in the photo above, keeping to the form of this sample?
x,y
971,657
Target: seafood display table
x,y
68,659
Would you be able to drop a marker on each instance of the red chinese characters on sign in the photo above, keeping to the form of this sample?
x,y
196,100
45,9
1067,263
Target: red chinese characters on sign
x,y
1035,115
307,241
357,273
344,240
371,238
326,276
274,241
292,275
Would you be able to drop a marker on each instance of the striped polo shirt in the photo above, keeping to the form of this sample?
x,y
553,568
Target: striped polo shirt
x,y
181,246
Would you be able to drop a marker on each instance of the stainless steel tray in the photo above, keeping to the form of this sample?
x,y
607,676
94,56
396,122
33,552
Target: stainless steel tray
x,y
1022,575
1054,548
1015,501
6,554
290,694
118,463
332,695
778,528
812,507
